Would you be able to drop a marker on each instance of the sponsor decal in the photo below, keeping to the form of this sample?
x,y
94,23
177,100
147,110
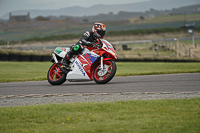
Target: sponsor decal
x,y
109,46
58,50
80,68
91,56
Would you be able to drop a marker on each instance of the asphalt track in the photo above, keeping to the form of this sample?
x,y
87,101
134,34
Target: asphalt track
x,y
189,82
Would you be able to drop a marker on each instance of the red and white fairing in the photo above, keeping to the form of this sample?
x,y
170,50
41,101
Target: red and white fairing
x,y
82,64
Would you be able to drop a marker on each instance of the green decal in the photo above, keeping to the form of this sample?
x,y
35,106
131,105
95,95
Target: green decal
x,y
58,50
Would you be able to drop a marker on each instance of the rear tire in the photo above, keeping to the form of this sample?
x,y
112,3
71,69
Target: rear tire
x,y
55,76
108,76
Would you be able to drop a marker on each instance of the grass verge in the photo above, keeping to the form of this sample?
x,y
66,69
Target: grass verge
x,y
178,115
23,71
150,68
34,71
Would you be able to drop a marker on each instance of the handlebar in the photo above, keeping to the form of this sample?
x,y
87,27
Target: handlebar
x,y
98,44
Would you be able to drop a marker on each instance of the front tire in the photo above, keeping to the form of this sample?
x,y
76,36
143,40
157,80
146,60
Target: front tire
x,y
110,73
55,76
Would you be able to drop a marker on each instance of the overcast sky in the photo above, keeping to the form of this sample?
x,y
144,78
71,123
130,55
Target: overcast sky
x,y
12,5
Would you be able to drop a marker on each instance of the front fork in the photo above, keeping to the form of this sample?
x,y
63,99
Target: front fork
x,y
101,63
57,63
54,57
103,69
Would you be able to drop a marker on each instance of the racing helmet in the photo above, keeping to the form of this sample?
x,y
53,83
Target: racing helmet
x,y
99,28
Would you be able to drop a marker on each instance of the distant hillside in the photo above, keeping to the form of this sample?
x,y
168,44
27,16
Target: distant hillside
x,y
104,9
25,30
122,15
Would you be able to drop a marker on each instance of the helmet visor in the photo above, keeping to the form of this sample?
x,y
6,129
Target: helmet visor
x,y
101,33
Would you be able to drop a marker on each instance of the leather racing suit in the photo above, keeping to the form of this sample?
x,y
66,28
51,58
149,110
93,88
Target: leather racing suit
x,y
87,39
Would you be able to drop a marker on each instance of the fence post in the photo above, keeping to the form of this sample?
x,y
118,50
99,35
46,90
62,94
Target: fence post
x,y
158,49
153,49
177,53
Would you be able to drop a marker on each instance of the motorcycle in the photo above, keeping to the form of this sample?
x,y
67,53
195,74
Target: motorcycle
x,y
93,63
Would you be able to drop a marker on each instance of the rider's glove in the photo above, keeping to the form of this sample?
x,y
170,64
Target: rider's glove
x,y
99,44
89,45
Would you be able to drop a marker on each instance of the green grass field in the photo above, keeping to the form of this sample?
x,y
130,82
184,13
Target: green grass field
x,y
33,71
146,116
178,115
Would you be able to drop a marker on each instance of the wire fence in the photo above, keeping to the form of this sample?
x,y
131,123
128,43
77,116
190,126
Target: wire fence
x,y
158,49
168,48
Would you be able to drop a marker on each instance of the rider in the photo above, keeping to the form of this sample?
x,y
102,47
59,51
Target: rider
x,y
88,39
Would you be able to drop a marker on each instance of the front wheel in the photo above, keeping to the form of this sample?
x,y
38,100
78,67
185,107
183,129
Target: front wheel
x,y
55,76
105,75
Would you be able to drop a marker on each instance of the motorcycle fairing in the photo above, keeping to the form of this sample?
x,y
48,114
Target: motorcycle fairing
x,y
109,48
78,73
61,51
82,66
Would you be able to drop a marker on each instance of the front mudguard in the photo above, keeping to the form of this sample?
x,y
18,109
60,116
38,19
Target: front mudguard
x,y
107,59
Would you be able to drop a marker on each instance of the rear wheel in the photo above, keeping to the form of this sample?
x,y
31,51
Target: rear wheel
x,y
55,76
105,75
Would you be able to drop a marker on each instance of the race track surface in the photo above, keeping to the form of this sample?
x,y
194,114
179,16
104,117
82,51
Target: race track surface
x,y
152,83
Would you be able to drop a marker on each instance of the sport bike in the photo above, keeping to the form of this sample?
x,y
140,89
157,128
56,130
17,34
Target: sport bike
x,y
93,63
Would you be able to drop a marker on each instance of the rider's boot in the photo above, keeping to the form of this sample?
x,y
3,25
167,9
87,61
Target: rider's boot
x,y
66,61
